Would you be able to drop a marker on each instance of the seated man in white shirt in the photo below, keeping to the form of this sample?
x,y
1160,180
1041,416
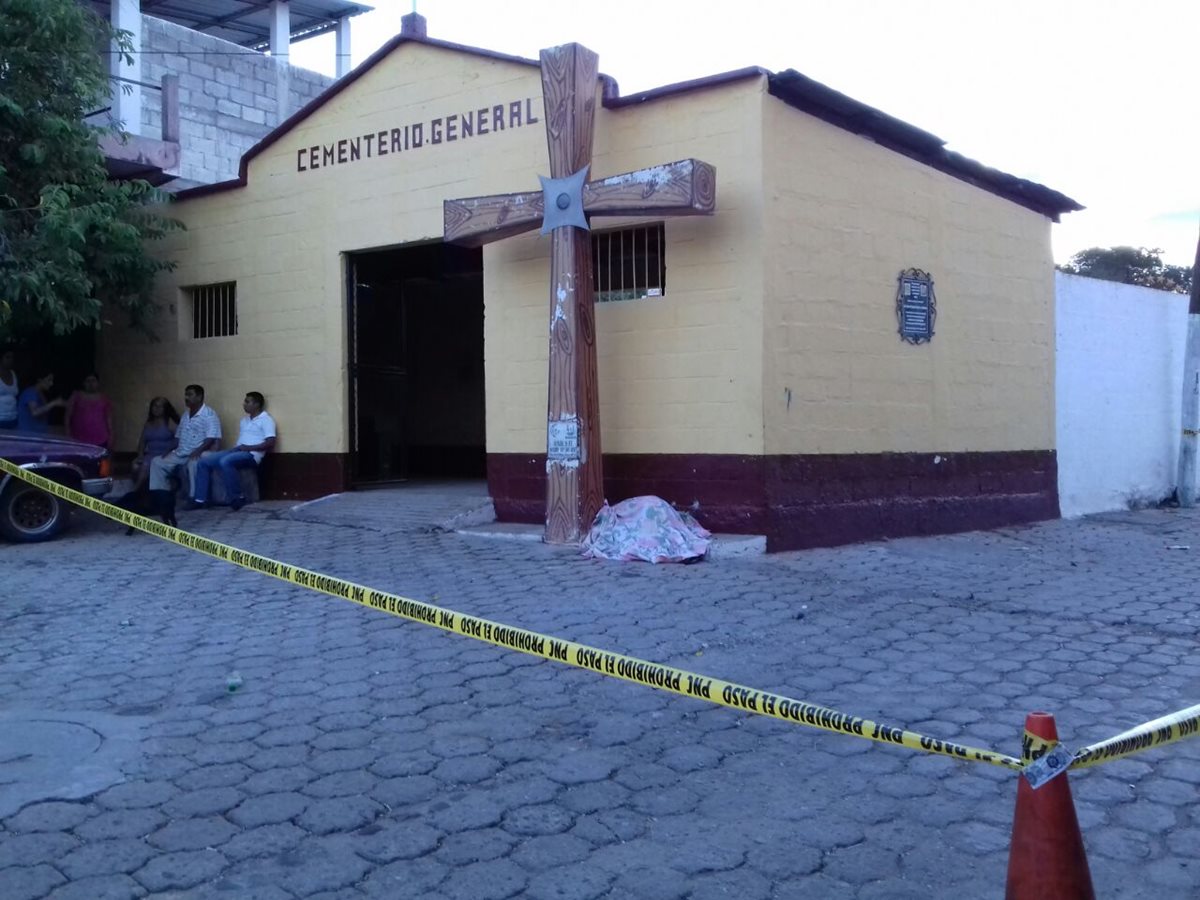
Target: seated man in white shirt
x,y
256,436
199,430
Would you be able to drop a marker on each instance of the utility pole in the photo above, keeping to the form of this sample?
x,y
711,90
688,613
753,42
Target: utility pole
x,y
1191,394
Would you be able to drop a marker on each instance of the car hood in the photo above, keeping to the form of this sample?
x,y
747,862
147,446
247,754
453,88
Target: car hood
x,y
27,444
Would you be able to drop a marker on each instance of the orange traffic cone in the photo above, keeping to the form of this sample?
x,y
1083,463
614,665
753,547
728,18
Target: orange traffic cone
x,y
1046,860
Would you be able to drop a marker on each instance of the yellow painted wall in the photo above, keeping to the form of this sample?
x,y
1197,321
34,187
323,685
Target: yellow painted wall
x,y
678,374
282,238
777,330
843,217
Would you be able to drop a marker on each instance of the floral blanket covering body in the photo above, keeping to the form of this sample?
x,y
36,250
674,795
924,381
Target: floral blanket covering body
x,y
646,528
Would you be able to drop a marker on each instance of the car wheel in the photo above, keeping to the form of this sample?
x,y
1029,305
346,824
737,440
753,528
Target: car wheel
x,y
29,515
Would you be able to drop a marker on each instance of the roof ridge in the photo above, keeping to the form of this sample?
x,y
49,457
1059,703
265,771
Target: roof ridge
x,y
792,87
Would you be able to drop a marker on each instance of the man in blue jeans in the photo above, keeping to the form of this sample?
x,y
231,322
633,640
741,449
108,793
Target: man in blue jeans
x,y
256,436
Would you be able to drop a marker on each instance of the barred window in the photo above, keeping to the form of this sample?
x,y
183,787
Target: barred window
x,y
629,264
214,309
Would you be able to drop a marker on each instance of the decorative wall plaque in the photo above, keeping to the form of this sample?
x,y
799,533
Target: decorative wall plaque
x,y
916,308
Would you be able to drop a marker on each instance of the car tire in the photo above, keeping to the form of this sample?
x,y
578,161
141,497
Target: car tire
x,y
29,515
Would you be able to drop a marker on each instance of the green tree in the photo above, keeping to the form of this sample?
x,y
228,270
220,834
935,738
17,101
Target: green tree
x,y
72,242
1130,265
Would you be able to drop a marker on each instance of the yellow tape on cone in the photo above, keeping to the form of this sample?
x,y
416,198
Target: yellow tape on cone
x,y
1157,733
1034,746
613,665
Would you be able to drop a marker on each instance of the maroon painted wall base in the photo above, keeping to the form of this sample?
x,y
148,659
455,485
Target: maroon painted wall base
x,y
796,501
304,476
812,500
287,476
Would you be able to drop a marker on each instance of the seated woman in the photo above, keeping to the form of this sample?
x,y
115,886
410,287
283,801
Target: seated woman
x,y
34,406
158,436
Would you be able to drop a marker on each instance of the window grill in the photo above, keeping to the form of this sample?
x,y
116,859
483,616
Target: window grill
x,y
629,263
214,310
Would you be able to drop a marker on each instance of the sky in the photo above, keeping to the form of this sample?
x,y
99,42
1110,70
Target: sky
x,y
1095,99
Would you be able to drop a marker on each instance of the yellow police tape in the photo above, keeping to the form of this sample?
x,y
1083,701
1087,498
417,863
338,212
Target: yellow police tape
x,y
1161,731
1034,746
627,668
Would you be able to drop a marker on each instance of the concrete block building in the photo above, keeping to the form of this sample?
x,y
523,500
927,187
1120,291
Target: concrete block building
x,y
209,79
858,343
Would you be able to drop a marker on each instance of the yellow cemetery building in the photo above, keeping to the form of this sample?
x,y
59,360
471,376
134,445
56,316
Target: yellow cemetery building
x,y
858,342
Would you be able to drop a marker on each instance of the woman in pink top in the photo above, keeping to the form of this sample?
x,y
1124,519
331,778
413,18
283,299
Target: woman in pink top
x,y
89,414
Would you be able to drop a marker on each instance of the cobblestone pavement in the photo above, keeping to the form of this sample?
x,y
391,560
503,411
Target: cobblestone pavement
x,y
366,756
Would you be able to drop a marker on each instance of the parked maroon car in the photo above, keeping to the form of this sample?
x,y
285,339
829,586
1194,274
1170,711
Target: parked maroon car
x,y
28,514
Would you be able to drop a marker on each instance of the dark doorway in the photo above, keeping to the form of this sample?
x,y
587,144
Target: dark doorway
x,y
69,357
416,364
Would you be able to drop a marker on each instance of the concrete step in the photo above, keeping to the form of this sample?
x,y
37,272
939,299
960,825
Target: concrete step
x,y
723,546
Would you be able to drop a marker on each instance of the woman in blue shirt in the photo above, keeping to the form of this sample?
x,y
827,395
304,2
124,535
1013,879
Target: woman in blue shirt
x,y
34,405
158,437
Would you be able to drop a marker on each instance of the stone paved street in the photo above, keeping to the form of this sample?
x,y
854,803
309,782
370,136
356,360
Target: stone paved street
x,y
365,756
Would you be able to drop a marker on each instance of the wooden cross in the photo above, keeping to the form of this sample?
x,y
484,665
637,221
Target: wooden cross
x,y
574,477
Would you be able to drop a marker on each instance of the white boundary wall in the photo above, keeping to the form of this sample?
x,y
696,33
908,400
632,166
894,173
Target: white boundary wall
x,y
1119,389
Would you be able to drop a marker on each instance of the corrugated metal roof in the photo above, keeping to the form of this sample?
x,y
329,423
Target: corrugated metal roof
x,y
248,22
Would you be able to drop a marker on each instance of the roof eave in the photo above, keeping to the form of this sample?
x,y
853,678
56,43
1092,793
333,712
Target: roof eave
x,y
816,99
328,94
789,86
